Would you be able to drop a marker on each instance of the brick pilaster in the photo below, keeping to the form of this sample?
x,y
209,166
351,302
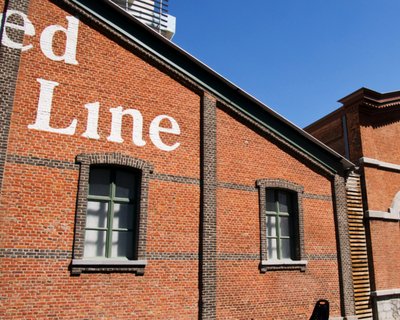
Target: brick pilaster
x,y
208,267
9,67
344,254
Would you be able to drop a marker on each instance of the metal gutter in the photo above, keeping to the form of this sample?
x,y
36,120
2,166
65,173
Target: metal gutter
x,y
346,164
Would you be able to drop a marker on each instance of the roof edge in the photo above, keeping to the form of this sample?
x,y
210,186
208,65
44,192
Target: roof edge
x,y
210,80
365,93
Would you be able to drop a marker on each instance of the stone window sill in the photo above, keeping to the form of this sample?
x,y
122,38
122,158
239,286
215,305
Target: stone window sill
x,y
276,265
107,266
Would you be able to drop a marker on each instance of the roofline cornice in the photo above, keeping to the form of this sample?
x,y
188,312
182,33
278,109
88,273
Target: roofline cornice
x,y
371,98
211,81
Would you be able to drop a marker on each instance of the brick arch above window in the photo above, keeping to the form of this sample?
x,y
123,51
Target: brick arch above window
x,y
296,191
79,263
280,183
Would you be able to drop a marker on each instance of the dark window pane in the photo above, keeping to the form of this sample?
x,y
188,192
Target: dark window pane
x,y
125,184
285,248
284,226
270,200
283,198
99,182
123,215
122,245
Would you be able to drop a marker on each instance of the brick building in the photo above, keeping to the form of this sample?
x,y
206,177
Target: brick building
x,y
137,183
366,129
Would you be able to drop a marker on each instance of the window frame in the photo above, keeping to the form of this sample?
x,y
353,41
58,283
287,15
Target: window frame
x,y
81,264
297,261
112,200
278,215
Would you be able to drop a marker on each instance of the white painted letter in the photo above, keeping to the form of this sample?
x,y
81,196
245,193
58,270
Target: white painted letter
x,y
47,37
27,27
92,121
44,110
116,124
155,130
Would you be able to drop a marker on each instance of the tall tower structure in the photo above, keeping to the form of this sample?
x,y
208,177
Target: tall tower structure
x,y
153,13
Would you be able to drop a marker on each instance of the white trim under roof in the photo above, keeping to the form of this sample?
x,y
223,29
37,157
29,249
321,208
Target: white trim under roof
x,y
378,163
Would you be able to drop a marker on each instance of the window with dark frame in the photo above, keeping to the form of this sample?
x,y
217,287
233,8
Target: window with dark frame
x,y
111,213
281,225
280,215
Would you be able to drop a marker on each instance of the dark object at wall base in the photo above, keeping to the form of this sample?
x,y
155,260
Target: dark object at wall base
x,y
321,310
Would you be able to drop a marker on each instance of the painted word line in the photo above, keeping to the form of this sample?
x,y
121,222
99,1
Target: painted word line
x,y
43,117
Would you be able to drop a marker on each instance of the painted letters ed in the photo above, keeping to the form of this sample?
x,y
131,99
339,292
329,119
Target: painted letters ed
x,y
46,38
47,88
27,27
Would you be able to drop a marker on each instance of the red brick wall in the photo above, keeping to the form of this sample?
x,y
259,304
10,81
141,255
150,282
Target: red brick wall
x,y
38,202
382,186
243,156
380,134
112,76
385,236
330,132
40,187
374,134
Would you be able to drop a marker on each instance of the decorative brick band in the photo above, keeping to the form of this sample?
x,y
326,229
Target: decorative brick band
x,y
35,254
86,160
18,253
26,253
242,187
235,186
173,178
323,257
256,256
9,67
173,256
317,196
42,162
59,164
238,256
208,266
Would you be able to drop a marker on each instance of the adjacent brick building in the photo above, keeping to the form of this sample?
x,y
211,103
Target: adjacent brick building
x,y
136,183
366,129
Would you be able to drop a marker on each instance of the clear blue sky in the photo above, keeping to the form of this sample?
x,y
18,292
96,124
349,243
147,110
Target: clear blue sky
x,y
297,57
